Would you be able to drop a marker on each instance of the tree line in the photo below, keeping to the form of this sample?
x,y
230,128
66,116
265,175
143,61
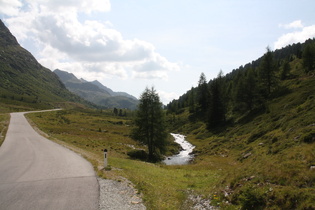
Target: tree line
x,y
119,112
245,89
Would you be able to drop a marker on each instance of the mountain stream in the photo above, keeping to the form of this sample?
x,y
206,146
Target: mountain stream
x,y
185,156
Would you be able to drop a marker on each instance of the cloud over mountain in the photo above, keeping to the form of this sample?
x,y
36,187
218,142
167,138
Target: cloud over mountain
x,y
300,34
81,45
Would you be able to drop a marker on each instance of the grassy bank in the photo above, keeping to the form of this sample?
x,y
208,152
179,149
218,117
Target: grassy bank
x,y
89,132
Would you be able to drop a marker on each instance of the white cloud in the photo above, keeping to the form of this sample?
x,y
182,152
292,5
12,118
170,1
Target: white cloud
x,y
150,75
10,7
293,25
86,6
295,37
166,97
68,43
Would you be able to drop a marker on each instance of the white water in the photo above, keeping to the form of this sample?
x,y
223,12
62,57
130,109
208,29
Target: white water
x,y
185,156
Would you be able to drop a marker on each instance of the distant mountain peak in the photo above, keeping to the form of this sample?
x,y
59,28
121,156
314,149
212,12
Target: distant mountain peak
x,y
96,92
83,80
66,76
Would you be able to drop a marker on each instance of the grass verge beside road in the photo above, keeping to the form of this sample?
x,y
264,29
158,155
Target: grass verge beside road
x,y
4,123
89,132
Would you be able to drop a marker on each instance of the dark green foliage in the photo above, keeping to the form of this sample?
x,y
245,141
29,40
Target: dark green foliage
x,y
309,57
267,74
251,198
216,110
246,91
247,88
115,111
192,104
285,70
308,137
138,154
203,96
150,124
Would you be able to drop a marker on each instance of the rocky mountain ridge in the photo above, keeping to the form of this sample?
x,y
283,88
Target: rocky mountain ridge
x,y
96,92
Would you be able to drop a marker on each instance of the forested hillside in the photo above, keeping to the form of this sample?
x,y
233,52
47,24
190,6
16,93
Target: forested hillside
x,y
256,127
249,88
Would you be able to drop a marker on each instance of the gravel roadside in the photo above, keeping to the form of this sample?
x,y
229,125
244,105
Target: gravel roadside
x,y
120,195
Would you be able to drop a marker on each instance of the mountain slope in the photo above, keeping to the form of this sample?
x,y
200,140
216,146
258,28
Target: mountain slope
x,y
23,80
264,152
96,93
112,93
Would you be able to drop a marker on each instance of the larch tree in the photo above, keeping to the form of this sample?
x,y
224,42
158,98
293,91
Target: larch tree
x,y
150,124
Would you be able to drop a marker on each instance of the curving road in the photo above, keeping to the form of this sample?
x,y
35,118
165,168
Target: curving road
x,y
36,173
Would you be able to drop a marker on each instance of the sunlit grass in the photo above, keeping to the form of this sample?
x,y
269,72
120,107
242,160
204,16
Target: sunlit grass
x,y
263,160
163,187
4,123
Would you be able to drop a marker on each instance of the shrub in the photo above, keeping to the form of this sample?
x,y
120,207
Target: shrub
x,y
138,154
308,137
252,198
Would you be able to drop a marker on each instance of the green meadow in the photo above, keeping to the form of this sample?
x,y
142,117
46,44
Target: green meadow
x,y
89,132
260,158
262,161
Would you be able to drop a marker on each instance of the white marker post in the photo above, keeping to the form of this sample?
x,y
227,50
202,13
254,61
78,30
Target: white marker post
x,y
105,158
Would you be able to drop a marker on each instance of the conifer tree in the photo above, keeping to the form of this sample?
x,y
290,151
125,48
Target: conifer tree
x,y
203,95
267,73
191,100
285,70
150,124
246,91
217,109
309,58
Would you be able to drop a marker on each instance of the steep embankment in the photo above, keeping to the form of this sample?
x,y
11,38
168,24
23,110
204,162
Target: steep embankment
x,y
23,81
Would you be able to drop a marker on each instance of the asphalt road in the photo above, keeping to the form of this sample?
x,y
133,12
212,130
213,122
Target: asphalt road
x,y
36,173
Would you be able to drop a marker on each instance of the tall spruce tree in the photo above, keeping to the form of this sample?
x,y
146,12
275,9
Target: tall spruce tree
x,y
246,95
203,96
309,57
191,100
150,124
267,73
217,109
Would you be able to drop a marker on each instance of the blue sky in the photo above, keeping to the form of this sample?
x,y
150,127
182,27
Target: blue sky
x,y
130,44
